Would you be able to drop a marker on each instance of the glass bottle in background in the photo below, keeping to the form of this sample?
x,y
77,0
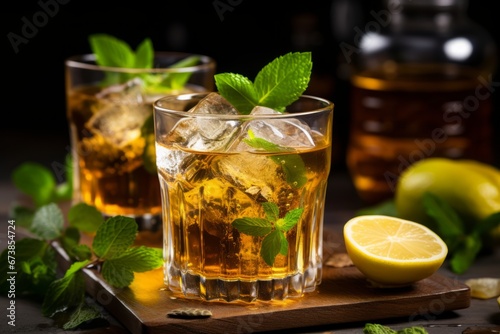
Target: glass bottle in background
x,y
420,87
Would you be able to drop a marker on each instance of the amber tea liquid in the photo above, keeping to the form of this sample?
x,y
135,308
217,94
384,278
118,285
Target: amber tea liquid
x,y
418,112
206,256
110,166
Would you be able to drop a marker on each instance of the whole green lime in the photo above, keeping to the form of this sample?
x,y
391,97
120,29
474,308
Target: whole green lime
x,y
471,188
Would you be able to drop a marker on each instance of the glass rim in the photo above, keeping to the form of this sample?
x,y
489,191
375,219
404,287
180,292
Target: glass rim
x,y
84,61
327,107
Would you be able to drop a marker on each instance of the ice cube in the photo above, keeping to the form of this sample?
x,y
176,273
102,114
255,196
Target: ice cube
x,y
204,133
129,92
285,132
119,124
214,103
120,113
254,174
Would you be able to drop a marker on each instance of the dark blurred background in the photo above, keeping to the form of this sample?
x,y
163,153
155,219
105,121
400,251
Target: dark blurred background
x,y
242,35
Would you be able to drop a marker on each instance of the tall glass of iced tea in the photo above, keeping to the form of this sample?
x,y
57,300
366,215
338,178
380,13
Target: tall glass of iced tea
x,y
110,116
242,196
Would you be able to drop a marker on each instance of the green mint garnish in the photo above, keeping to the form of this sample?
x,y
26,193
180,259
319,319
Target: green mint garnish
x,y
40,184
292,164
272,228
112,250
113,52
277,84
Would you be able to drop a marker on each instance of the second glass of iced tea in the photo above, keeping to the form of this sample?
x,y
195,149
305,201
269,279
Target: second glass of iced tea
x,y
110,116
243,196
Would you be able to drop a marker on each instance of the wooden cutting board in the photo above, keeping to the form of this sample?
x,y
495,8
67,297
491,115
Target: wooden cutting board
x,y
343,296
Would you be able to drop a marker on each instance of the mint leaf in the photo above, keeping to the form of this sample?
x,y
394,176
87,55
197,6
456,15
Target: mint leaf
x,y
291,219
272,211
177,81
35,265
283,80
70,242
36,181
111,51
272,229
277,84
261,143
48,222
114,236
487,224
465,254
271,246
81,315
66,292
381,329
256,227
117,275
238,90
283,245
85,217
23,215
140,259
64,191
292,164
144,55
294,168
119,272
448,222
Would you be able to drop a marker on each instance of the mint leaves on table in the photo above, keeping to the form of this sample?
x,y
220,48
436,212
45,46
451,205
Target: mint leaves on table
x,y
113,52
277,84
371,328
112,251
464,244
272,228
42,185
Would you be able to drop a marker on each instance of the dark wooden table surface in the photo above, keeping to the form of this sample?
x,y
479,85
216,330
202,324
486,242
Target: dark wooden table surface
x,y
342,204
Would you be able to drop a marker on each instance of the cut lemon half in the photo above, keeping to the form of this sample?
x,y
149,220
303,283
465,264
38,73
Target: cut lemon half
x,y
392,251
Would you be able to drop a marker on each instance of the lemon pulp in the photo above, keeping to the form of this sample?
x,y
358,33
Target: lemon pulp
x,y
393,251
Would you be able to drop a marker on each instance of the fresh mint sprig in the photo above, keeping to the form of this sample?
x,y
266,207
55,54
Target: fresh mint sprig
x,y
36,264
113,52
112,251
41,185
277,84
272,228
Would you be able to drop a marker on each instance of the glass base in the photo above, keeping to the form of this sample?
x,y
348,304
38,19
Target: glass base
x,y
198,287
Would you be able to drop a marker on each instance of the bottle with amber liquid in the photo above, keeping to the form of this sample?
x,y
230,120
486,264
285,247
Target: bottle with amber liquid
x,y
421,86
